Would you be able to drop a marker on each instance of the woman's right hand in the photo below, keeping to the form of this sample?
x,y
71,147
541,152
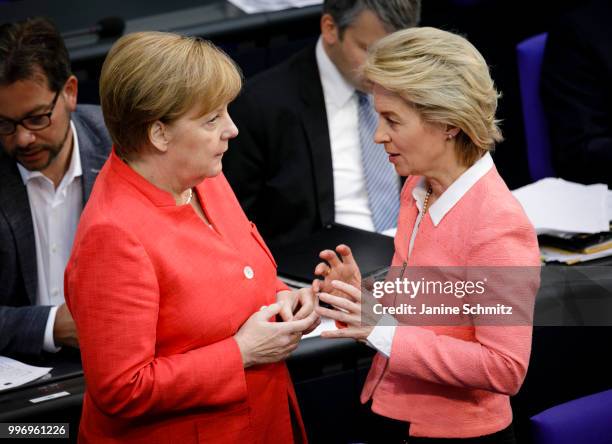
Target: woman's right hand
x,y
262,342
338,266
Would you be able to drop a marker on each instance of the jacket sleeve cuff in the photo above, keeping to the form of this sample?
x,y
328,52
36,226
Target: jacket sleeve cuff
x,y
48,341
381,337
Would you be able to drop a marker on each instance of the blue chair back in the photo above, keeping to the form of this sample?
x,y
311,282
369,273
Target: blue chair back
x,y
583,420
530,53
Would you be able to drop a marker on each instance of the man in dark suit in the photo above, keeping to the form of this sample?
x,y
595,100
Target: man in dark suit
x,y
577,92
51,153
296,164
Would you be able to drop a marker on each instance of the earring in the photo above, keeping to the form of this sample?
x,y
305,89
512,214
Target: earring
x,y
449,136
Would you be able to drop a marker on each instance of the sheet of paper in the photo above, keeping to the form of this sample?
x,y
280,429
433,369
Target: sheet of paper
x,y
254,6
325,325
556,206
14,373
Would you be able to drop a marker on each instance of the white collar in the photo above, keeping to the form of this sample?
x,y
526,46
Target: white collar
x,y
74,169
455,192
335,87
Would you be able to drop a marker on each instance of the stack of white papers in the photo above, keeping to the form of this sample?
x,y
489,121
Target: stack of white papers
x,y
254,6
566,257
555,206
14,373
564,209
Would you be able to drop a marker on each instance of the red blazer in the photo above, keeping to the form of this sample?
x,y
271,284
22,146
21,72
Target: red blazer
x,y
157,296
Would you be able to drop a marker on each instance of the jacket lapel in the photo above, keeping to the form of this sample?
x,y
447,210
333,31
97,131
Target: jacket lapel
x,y
92,159
15,205
314,119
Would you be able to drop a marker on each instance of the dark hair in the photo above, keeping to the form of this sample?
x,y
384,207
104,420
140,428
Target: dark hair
x,y
30,47
394,14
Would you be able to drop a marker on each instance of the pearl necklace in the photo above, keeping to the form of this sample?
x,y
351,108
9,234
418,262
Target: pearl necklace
x,y
426,200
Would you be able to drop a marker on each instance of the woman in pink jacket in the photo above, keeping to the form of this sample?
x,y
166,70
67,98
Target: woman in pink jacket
x,y
436,101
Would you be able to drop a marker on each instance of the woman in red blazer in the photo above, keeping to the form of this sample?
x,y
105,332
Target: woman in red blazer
x,y
448,377
173,291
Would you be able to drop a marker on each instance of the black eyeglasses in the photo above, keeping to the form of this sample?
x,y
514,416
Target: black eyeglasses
x,y
36,122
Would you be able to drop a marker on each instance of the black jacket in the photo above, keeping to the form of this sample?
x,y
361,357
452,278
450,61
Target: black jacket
x,y
576,92
280,165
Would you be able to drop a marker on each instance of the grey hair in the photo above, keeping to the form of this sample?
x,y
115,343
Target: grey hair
x,y
394,14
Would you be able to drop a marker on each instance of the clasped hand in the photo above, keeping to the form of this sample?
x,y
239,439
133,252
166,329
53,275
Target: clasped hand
x,y
263,341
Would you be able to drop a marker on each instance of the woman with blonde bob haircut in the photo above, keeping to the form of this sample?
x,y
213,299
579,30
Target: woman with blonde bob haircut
x,y
451,383
446,80
173,291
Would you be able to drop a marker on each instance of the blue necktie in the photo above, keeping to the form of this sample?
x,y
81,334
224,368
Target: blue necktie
x,y
382,182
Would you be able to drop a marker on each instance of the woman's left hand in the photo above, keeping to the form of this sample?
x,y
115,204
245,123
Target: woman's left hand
x,y
302,300
348,310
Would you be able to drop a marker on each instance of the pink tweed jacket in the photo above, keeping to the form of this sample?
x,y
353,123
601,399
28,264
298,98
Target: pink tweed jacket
x,y
455,382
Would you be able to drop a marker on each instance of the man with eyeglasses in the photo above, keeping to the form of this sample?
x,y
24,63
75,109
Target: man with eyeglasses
x,y
51,153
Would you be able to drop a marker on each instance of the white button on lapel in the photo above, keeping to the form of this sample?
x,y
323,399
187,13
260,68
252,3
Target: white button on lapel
x,y
248,272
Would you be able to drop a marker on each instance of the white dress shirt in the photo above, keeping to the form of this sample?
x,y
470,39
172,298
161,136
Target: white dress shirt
x,y
381,337
341,104
55,216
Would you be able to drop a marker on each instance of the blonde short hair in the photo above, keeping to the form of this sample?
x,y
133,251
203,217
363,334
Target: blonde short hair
x,y
151,76
447,81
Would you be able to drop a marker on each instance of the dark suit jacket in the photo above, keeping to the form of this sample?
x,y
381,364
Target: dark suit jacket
x,y
280,165
577,93
22,324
